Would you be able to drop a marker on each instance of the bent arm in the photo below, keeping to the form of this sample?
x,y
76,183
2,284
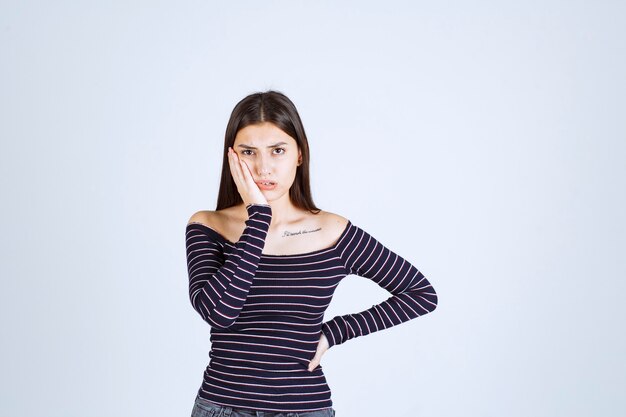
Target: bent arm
x,y
219,284
412,294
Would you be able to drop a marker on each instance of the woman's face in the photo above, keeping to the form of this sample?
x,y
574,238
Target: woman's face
x,y
271,155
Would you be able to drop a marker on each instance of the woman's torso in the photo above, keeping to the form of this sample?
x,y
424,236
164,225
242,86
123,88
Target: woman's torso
x,y
260,361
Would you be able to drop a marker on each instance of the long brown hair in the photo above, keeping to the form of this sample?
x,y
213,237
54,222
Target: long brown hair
x,y
276,108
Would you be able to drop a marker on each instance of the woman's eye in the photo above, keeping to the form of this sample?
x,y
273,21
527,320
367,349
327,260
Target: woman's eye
x,y
245,151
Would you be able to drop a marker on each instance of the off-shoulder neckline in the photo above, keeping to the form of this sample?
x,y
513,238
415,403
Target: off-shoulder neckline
x,y
269,255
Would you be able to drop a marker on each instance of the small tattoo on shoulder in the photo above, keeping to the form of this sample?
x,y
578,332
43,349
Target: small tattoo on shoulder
x,y
300,232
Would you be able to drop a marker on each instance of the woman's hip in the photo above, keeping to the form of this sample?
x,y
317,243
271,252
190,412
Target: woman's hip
x,y
205,408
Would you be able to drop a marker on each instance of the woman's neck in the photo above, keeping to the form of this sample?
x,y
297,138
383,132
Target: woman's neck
x,y
284,212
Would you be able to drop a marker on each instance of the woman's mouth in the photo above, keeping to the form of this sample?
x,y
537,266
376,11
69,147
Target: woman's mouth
x,y
266,185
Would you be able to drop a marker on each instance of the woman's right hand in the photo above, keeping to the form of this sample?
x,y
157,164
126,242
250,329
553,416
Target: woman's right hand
x,y
248,189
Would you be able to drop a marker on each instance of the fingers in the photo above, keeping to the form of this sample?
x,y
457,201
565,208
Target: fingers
x,y
247,175
235,166
242,169
313,364
317,358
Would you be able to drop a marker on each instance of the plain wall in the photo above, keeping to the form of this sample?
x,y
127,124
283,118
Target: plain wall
x,y
482,141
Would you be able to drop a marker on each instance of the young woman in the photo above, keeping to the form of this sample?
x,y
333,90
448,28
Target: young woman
x,y
263,268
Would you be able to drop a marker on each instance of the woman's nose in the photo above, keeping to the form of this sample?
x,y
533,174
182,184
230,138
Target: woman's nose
x,y
263,166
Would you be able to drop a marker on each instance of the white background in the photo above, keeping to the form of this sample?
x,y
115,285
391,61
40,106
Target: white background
x,y
483,141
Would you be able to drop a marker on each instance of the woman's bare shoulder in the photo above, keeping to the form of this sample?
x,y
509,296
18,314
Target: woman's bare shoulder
x,y
226,222
333,221
205,217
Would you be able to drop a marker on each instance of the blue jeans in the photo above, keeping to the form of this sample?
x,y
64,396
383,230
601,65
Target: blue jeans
x,y
205,408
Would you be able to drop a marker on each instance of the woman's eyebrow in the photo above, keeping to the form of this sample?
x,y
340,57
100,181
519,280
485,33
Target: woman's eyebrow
x,y
241,145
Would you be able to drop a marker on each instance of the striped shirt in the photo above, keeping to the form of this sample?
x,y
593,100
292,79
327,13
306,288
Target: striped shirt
x,y
266,311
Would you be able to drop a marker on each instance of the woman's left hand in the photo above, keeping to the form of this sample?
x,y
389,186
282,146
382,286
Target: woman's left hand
x,y
322,347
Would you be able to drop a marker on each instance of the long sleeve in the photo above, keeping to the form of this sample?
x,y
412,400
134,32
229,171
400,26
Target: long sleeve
x,y
219,284
412,294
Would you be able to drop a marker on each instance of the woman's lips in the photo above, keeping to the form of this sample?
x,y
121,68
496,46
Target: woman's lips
x,y
266,185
